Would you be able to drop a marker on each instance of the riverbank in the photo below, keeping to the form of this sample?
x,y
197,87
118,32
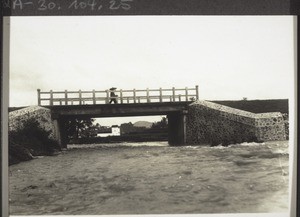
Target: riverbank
x,y
153,178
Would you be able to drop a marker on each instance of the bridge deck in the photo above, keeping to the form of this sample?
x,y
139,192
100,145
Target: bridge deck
x,y
134,96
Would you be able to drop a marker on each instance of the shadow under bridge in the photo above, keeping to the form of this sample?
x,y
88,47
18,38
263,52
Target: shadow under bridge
x,y
176,113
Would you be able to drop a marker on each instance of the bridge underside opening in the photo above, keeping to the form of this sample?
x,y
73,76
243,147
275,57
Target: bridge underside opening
x,y
175,113
126,129
174,133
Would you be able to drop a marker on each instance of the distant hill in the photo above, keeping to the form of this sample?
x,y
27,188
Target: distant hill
x,y
146,124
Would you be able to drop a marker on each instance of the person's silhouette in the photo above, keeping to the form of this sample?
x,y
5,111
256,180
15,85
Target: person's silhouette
x,y
113,96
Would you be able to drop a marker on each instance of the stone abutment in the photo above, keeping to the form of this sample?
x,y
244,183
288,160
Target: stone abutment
x,y
214,124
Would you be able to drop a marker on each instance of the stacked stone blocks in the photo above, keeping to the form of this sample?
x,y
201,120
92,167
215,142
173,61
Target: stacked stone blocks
x,y
42,115
211,123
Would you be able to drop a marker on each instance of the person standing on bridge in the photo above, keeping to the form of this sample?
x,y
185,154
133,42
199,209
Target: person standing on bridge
x,y
113,96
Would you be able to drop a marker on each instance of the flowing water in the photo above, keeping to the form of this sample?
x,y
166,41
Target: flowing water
x,y
153,178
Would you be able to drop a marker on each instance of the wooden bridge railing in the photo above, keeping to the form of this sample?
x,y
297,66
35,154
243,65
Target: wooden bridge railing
x,y
122,96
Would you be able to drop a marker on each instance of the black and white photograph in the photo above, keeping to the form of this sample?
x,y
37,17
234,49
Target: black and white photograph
x,y
125,115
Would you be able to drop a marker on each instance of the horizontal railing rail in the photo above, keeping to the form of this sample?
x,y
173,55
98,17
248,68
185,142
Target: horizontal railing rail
x,y
121,96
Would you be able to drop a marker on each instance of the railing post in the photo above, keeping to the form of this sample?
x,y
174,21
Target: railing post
x,y
134,96
80,97
179,97
39,96
51,97
107,96
121,96
197,92
186,94
94,97
148,98
173,89
66,97
160,94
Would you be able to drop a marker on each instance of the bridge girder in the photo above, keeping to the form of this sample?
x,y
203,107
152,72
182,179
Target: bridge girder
x,y
118,110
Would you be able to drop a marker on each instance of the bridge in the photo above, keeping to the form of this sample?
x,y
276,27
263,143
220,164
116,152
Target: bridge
x,y
191,121
94,97
172,102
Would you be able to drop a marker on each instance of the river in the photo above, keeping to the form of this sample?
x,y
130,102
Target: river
x,y
153,178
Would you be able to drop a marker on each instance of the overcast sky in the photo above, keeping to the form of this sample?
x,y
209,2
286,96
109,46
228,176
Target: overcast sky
x,y
229,57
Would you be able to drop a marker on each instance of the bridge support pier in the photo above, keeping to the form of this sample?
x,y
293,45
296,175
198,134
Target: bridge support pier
x,y
60,132
177,128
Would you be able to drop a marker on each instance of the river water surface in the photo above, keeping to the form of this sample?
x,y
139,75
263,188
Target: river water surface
x,y
153,178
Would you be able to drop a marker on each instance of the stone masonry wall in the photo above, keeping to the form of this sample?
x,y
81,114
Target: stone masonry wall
x,y
42,115
211,123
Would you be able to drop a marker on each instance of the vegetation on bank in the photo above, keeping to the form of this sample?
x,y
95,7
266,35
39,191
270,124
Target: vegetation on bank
x,y
258,106
29,141
80,128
